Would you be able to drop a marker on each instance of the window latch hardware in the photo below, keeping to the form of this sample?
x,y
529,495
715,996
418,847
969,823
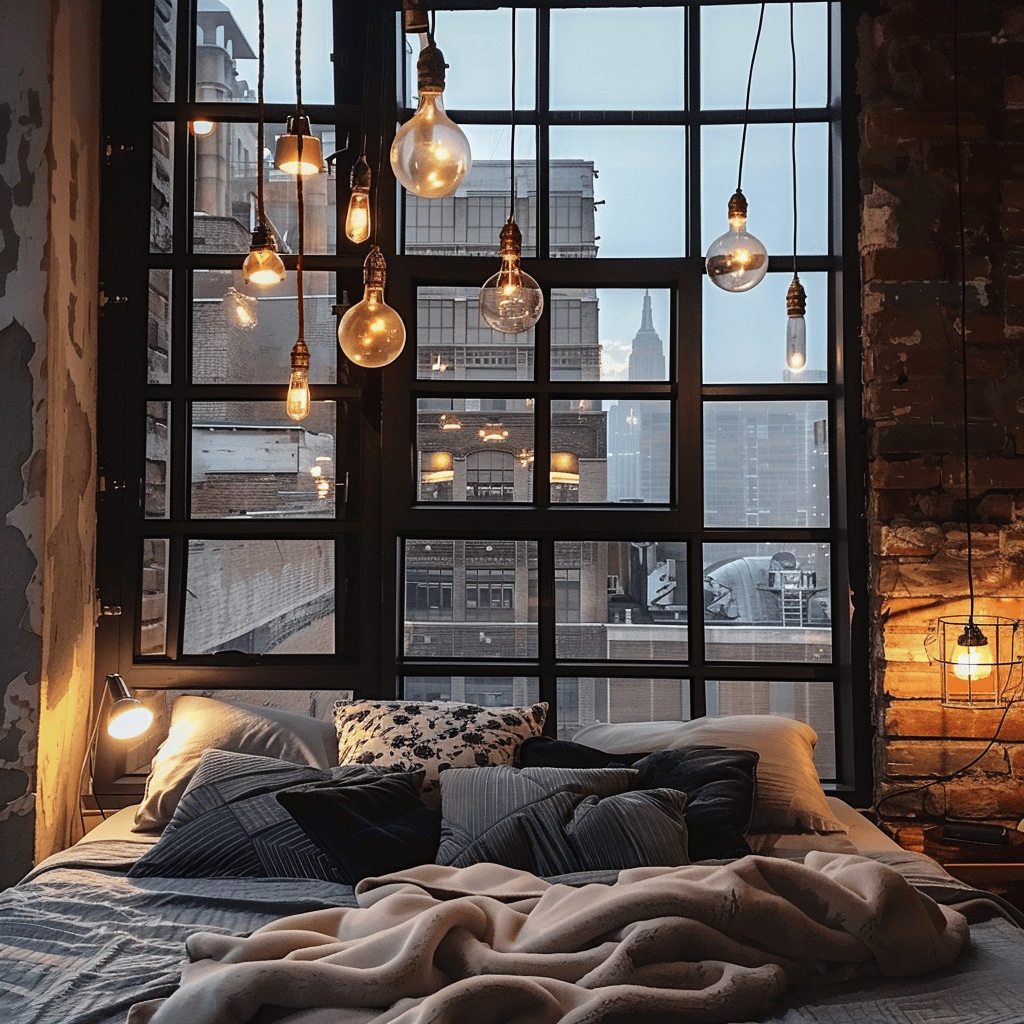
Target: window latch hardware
x,y
115,147
111,300
110,609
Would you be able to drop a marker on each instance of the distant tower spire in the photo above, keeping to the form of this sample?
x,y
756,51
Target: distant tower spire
x,y
647,358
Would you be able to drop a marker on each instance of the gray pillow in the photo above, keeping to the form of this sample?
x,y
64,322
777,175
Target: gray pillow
x,y
199,724
552,821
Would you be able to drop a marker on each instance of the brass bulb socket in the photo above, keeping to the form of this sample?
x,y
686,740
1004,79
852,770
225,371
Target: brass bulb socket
x,y
430,69
360,177
375,270
738,205
261,238
796,298
511,239
300,355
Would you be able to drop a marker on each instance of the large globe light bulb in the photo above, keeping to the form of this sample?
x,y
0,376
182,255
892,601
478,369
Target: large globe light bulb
x,y
371,333
796,326
510,300
430,155
736,261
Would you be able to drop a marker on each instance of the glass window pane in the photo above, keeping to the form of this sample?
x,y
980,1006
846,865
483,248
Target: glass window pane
x,y
745,335
259,596
470,599
635,466
767,184
487,691
249,459
767,602
469,223
615,191
165,40
157,501
766,464
227,168
161,194
727,42
809,701
586,701
618,59
244,335
477,47
227,42
453,342
158,334
153,618
621,600
609,334
475,449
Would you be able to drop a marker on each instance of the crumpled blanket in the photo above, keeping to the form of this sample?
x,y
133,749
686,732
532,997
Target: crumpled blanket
x,y
701,944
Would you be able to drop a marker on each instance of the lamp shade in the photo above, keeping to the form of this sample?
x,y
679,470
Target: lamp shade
x,y
128,717
293,158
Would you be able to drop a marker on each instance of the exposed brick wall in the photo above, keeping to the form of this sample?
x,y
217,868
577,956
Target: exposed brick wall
x,y
910,265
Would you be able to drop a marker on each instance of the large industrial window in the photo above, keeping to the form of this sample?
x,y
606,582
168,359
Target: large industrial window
x,y
633,510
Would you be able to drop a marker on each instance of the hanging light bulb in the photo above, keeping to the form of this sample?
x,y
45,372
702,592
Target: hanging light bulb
x,y
297,405
973,655
262,267
357,221
298,151
796,328
371,333
241,309
449,421
430,155
510,300
201,128
736,261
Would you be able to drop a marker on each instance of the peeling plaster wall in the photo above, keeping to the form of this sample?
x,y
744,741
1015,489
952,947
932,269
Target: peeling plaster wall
x,y
49,172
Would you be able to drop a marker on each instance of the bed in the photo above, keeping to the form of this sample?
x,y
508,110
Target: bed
x,y
444,863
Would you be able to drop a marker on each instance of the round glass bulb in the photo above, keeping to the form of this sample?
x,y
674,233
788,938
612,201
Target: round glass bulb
x,y
737,261
973,662
430,155
371,333
128,717
510,300
263,267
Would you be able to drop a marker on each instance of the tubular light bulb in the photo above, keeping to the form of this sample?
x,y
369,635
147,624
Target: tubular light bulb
x,y
262,267
430,155
241,309
297,405
510,300
293,158
371,333
357,221
736,261
796,327
973,655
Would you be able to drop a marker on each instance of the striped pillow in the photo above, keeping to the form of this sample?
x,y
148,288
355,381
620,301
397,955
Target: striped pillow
x,y
552,821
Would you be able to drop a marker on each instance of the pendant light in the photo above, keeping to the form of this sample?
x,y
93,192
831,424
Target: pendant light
x,y
263,266
298,151
796,297
737,261
371,333
357,220
510,300
240,308
430,155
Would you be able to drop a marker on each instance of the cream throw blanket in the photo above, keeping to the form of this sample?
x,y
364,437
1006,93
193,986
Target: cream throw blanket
x,y
701,944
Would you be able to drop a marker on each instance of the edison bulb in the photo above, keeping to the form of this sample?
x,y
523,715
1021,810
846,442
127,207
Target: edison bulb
x,y
357,221
430,155
510,300
297,403
973,658
796,326
262,267
736,261
371,333
241,309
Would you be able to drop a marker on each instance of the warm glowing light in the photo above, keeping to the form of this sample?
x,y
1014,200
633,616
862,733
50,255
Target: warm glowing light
x,y
202,128
493,432
297,404
129,718
736,261
371,333
449,421
357,220
430,155
262,267
973,659
565,468
298,151
241,309
510,300
439,468
796,326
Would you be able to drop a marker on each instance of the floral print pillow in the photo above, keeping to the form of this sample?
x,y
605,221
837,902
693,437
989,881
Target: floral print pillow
x,y
432,735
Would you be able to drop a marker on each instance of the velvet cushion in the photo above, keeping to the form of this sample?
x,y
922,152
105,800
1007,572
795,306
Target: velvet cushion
x,y
551,821
367,829
229,822
789,797
432,736
199,724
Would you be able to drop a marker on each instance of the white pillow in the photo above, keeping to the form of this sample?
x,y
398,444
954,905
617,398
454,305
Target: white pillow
x,y
199,724
789,798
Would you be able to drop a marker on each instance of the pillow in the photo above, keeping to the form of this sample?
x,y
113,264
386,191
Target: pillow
x,y
789,798
719,784
199,724
551,821
433,736
229,823
367,829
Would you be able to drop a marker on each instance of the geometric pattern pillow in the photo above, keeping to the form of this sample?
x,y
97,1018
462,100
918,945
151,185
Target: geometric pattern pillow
x,y
229,823
432,736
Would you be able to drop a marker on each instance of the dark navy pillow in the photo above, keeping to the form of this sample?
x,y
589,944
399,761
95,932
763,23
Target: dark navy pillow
x,y
367,830
719,782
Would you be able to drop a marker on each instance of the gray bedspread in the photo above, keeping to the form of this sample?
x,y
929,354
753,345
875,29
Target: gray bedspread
x,y
80,943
